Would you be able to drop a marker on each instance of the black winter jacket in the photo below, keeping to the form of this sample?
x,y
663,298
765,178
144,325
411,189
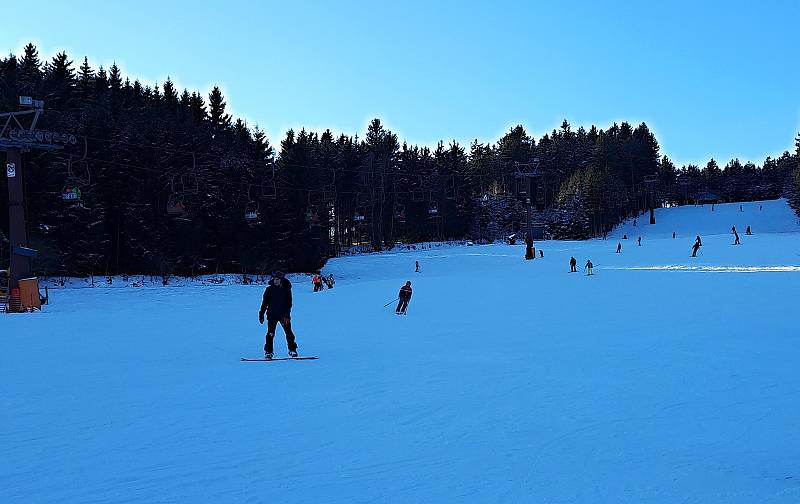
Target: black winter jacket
x,y
277,301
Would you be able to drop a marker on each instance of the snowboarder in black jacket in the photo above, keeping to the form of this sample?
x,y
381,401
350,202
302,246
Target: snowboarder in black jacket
x,y
277,303
404,297
572,265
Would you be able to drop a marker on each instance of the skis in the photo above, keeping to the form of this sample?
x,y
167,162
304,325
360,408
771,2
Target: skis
x,y
280,358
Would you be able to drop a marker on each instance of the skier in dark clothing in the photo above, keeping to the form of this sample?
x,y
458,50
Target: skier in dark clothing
x,y
640,241
673,235
736,235
404,298
696,246
747,231
589,266
572,265
277,303
417,270
619,247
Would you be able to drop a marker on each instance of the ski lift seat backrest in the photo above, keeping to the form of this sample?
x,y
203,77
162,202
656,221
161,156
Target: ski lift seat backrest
x,y
175,207
71,194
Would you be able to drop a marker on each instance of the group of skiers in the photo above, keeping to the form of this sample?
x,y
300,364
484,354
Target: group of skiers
x,y
588,267
277,299
320,281
276,304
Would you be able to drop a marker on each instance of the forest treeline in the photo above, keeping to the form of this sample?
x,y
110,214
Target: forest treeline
x,y
164,181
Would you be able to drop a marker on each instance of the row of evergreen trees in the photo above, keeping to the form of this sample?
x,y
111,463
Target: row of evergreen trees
x,y
170,183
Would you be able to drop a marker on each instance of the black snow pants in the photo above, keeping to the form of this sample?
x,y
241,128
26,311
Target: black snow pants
x,y
402,306
287,328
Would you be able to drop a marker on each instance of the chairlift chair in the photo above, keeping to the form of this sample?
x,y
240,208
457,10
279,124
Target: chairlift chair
x,y
450,188
400,213
251,212
313,218
71,194
175,206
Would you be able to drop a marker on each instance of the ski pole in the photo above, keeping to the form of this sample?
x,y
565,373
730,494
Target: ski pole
x,y
390,302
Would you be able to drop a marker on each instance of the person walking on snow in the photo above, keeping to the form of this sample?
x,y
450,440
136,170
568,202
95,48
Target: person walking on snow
x,y
747,231
640,241
277,304
417,267
329,281
572,265
619,247
589,267
736,235
315,282
403,298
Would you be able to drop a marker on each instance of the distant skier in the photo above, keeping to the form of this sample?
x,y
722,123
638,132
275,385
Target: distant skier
x,y
541,253
625,237
329,281
741,209
572,265
640,241
589,267
673,235
417,267
696,246
634,222
317,281
736,235
760,207
619,247
747,231
277,303
404,297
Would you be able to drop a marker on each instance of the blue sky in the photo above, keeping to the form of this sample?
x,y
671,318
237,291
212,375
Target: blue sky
x,y
714,79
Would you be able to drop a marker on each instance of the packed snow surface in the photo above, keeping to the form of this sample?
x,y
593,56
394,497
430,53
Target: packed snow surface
x,y
660,379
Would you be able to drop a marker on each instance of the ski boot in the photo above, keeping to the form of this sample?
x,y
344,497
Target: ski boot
x,y
293,354
268,355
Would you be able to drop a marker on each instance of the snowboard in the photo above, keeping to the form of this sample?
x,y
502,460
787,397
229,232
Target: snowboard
x,y
279,358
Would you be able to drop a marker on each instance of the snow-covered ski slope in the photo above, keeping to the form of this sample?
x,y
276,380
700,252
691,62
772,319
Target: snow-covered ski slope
x,y
660,379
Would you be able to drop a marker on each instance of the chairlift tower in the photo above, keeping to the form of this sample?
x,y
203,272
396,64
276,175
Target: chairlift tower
x,y
529,175
18,134
650,182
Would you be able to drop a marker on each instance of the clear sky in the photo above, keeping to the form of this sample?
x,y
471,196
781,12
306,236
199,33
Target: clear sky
x,y
717,79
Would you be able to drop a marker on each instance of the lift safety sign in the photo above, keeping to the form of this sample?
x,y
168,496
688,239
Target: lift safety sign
x,y
11,170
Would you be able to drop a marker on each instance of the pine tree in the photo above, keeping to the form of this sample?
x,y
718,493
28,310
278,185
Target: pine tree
x,y
216,111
